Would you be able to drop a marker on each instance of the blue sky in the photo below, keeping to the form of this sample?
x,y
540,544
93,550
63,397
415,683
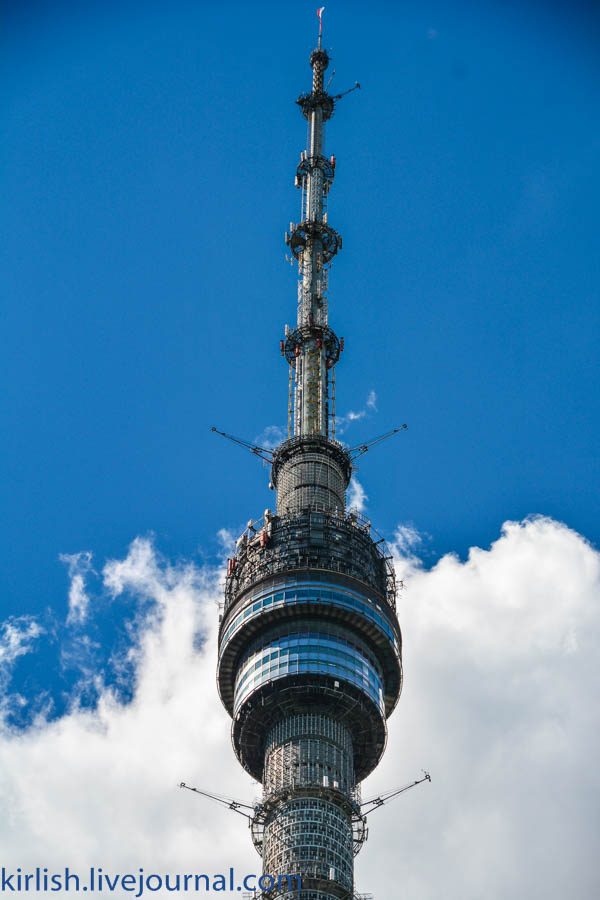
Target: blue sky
x,y
149,151
149,155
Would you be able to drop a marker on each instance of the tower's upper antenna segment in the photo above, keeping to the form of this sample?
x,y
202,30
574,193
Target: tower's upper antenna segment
x,y
320,15
312,348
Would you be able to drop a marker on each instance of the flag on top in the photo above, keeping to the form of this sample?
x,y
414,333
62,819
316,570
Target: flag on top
x,y
320,13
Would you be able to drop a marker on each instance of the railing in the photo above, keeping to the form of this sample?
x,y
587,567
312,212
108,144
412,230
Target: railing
x,y
257,556
351,515
302,438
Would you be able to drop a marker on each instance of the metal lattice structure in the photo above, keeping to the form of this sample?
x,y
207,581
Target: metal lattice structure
x,y
309,643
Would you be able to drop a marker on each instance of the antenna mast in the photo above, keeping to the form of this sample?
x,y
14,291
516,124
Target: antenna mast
x,y
312,348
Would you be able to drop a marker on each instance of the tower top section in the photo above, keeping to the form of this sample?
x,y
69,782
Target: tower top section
x,y
311,348
320,16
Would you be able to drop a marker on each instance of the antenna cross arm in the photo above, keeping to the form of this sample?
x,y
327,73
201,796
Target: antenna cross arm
x,y
362,448
368,806
263,452
235,805
349,91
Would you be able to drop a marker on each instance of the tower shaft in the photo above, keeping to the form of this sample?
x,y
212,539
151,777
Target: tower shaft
x,y
308,785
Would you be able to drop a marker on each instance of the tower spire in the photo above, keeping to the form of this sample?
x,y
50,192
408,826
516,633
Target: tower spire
x,y
320,15
312,348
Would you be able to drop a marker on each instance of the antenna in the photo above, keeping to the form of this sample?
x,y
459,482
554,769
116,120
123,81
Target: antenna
x,y
312,348
320,15
263,452
349,91
368,806
235,805
259,811
362,448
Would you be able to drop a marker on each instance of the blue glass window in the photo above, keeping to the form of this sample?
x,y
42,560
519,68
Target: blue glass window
x,y
325,650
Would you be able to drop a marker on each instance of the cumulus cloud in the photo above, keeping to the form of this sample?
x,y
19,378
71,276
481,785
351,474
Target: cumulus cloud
x,y
98,786
499,704
79,565
357,497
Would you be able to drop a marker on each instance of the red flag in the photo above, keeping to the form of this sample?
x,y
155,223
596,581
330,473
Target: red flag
x,y
320,13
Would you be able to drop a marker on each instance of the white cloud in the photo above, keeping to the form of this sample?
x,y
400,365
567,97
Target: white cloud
x,y
227,539
98,787
357,497
405,545
406,541
16,638
271,436
342,423
355,416
500,703
79,565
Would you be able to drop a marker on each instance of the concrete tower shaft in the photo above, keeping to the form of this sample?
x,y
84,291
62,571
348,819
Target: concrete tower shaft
x,y
309,644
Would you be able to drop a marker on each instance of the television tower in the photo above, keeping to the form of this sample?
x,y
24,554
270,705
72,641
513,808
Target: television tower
x,y
309,643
